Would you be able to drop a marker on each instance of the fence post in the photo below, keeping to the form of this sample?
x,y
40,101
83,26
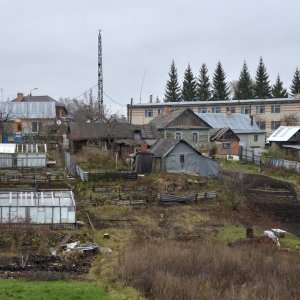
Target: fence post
x,y
241,152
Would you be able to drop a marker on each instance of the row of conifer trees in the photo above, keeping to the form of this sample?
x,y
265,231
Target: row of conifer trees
x,y
202,89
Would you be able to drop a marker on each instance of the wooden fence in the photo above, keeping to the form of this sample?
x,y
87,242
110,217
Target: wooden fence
x,y
121,195
249,155
86,176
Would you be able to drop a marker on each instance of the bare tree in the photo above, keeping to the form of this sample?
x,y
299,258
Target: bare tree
x,y
290,120
85,108
5,117
233,189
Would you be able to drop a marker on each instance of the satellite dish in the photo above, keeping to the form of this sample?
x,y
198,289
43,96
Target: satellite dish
x,y
58,122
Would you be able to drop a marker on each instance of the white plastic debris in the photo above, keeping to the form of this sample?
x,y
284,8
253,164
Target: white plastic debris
x,y
72,245
270,234
279,232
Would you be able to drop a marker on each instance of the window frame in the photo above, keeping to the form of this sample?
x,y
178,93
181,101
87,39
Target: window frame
x,y
226,148
275,109
260,123
202,110
273,125
231,109
195,134
260,109
181,159
148,113
180,135
245,108
216,109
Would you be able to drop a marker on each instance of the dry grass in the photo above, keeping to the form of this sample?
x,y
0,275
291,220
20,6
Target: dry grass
x,y
204,271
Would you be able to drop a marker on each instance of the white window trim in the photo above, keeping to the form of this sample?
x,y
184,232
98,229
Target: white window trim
x,y
178,132
197,133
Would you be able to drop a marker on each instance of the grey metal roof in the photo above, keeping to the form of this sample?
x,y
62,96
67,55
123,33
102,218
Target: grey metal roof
x,y
43,98
297,147
162,146
237,122
283,133
29,110
217,102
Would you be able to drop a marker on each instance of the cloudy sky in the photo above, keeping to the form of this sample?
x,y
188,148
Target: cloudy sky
x,y
52,44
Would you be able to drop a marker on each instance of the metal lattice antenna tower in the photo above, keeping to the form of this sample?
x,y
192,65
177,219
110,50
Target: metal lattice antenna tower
x,y
100,79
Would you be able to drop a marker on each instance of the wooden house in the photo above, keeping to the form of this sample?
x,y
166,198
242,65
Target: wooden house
x,y
117,137
224,142
178,156
183,124
288,139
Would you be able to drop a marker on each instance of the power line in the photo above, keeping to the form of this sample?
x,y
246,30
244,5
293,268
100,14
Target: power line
x,y
111,99
86,91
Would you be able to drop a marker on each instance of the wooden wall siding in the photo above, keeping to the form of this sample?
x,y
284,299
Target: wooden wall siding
x,y
188,119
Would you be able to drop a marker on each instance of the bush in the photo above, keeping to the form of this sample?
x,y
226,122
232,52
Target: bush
x,y
204,271
91,158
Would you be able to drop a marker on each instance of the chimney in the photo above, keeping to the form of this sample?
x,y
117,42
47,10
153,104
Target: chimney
x,y
20,97
151,99
251,122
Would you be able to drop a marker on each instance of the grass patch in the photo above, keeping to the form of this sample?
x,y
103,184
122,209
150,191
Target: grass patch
x,y
231,233
290,241
44,290
238,166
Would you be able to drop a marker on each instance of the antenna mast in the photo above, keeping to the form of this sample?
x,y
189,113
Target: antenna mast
x,y
100,80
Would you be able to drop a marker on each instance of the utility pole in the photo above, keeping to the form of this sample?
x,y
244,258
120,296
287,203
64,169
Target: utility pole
x,y
100,80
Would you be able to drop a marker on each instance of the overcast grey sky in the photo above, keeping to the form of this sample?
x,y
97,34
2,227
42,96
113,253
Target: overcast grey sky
x,y
52,44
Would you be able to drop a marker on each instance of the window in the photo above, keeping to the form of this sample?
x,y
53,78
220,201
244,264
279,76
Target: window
x,y
261,124
35,126
178,135
260,109
202,110
195,137
255,138
245,110
148,113
216,109
275,125
275,109
160,110
230,109
226,145
181,158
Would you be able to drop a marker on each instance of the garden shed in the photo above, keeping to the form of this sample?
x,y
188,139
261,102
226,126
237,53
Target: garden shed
x,y
175,156
23,155
51,207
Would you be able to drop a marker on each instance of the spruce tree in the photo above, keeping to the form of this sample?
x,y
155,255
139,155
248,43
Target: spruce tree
x,y
295,87
220,89
244,89
203,84
277,90
189,85
172,92
262,89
